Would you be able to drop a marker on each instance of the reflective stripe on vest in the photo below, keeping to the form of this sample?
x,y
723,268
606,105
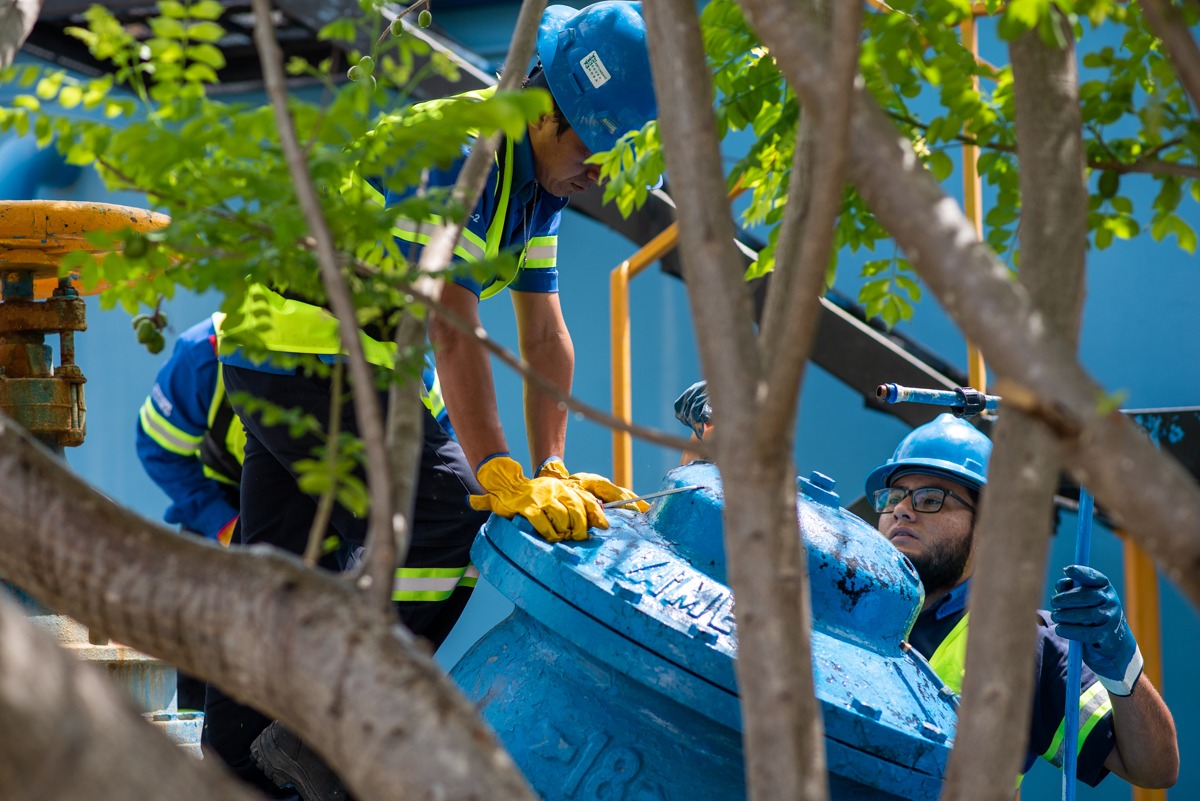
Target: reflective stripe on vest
x,y
223,448
431,584
538,252
432,397
469,248
949,659
1094,704
159,429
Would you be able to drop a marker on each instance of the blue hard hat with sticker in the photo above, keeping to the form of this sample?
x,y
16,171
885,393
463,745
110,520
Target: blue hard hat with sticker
x,y
598,69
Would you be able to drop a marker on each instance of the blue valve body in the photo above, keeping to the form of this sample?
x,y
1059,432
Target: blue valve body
x,y
614,676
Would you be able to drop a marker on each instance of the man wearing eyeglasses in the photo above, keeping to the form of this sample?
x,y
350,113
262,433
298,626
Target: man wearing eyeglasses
x,y
927,497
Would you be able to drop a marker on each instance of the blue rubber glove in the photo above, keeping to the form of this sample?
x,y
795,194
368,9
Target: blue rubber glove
x,y
693,409
1086,608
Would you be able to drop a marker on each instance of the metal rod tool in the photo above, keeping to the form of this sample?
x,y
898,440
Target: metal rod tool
x,y
672,491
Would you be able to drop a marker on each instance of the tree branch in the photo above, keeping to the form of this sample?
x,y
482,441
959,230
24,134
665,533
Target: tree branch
x,y
1145,164
1014,526
296,643
17,18
1152,492
380,563
80,736
784,749
793,306
1167,23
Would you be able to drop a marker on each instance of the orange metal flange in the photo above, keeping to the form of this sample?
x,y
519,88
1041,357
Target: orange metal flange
x,y
36,234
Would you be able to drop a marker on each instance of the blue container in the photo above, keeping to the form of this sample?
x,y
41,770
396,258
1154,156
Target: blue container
x,y
614,676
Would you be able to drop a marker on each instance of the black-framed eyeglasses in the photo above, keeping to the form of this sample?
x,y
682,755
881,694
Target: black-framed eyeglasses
x,y
925,500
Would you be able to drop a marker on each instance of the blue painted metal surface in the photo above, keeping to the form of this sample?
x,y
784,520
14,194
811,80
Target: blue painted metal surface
x,y
964,401
150,682
614,676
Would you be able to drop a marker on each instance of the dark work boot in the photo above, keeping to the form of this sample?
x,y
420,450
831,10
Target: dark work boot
x,y
289,762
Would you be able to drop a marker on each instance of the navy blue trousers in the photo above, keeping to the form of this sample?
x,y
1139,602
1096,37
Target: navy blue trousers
x,y
275,511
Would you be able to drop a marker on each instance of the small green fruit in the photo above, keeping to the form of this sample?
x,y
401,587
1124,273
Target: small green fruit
x,y
146,332
156,343
136,247
367,65
397,27
425,18
354,73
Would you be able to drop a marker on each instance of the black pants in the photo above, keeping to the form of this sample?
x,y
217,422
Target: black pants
x,y
275,511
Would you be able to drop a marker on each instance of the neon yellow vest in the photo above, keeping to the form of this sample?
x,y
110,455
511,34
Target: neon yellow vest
x,y
949,661
298,327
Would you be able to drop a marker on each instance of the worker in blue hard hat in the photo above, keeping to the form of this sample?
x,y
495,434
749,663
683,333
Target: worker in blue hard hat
x,y
595,65
927,496
191,445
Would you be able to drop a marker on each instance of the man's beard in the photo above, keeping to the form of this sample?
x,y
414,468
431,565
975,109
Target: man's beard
x,y
942,566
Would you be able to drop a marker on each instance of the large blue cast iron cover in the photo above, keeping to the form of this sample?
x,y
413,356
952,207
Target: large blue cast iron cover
x,y
614,676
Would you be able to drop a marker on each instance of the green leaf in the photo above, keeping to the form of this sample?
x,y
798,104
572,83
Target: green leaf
x,y
173,9
340,30
940,165
206,9
207,54
205,31
167,27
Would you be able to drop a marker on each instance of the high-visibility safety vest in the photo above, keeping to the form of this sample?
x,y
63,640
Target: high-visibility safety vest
x,y
303,328
223,448
432,583
950,658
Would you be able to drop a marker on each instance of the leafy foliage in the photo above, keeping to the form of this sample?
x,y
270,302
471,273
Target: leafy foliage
x,y
1136,120
217,168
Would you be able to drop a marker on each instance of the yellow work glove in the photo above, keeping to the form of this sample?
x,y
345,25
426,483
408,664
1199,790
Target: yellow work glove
x,y
557,510
593,483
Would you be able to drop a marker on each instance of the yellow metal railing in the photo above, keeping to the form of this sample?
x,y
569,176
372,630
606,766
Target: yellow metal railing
x,y
622,379
622,389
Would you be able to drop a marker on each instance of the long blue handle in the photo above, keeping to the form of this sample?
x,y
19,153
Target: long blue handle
x,y
895,393
1083,553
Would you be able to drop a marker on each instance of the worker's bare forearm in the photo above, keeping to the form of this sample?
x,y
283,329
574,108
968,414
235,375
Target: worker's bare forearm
x,y
465,373
1146,752
545,418
546,345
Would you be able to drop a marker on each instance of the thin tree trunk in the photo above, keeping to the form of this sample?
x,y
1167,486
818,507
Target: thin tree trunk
x,y
1167,23
1155,497
376,574
1017,514
291,640
17,18
784,749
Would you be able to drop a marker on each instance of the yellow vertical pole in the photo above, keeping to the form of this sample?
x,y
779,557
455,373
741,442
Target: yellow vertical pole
x,y
622,394
1142,610
622,379
973,203
622,390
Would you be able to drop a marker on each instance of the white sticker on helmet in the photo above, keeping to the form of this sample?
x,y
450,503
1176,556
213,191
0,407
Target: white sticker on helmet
x,y
594,68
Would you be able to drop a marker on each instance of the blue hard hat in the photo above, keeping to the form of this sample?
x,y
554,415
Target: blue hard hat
x,y
948,446
598,69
